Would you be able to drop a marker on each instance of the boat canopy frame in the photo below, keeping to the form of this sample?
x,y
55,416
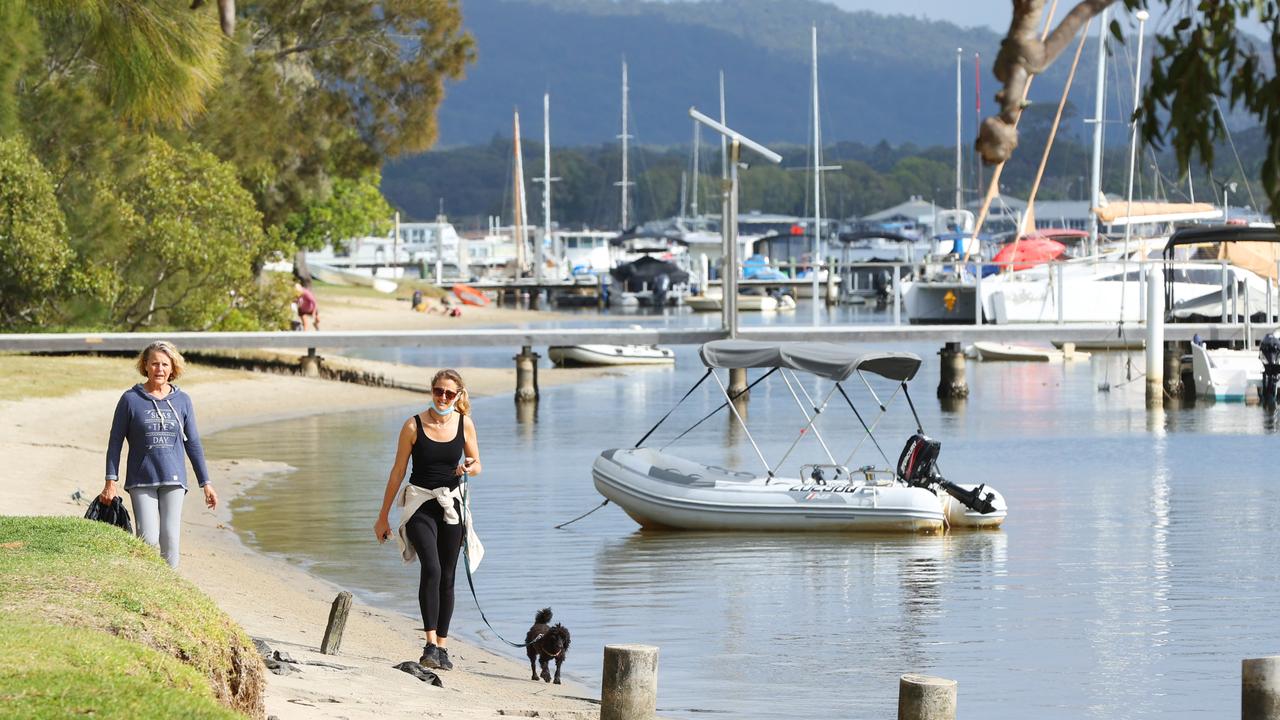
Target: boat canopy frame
x,y
833,362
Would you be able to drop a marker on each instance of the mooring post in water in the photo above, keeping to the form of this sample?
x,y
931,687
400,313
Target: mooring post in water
x,y
921,697
1155,337
526,374
1260,689
310,363
833,290
738,384
337,623
629,683
952,383
1173,369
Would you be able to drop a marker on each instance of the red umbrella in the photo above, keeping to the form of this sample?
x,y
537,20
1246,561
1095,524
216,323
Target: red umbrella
x,y
1028,252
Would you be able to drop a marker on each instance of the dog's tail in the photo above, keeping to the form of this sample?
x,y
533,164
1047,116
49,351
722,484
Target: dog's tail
x,y
543,617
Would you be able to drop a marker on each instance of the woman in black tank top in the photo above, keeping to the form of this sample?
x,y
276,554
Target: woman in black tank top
x,y
442,443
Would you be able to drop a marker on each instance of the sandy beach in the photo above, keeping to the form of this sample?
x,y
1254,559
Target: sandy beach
x,y
52,444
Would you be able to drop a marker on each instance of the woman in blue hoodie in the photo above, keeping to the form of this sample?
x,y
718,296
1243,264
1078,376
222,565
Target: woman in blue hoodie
x,y
159,422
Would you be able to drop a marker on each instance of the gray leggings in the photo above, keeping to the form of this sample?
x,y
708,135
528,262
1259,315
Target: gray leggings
x,y
158,514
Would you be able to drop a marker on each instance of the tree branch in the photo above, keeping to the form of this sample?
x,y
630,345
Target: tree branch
x,y
1023,55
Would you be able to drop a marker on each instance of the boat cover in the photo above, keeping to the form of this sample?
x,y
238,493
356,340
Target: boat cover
x,y
834,362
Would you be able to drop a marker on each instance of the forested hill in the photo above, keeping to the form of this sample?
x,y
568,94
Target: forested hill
x,y
883,77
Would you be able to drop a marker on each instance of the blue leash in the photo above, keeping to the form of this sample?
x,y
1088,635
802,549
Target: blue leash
x,y
466,561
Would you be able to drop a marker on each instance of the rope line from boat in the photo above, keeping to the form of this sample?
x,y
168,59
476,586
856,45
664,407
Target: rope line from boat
x,y
723,405
866,429
563,524
466,562
673,409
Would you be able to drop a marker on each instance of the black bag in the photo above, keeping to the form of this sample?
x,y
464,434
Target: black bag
x,y
113,514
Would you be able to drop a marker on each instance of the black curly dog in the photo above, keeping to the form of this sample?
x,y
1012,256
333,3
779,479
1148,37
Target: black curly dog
x,y
546,642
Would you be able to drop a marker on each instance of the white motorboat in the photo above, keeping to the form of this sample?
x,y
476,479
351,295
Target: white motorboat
x,y
661,490
336,276
1225,374
579,355
746,303
1006,352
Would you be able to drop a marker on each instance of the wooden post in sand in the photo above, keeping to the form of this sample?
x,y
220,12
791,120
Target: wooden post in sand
x,y
629,683
526,374
1260,689
337,623
310,363
921,697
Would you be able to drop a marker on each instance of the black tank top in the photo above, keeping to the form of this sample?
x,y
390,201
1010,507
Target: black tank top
x,y
434,461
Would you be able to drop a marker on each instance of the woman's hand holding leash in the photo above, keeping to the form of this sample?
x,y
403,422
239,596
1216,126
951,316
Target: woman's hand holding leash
x,y
470,466
382,529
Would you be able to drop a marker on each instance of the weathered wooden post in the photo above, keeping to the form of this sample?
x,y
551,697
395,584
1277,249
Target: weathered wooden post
x,y
952,383
833,290
738,384
629,683
526,374
921,697
1173,369
337,623
310,363
1260,689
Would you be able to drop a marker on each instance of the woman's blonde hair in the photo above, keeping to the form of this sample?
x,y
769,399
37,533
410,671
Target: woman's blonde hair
x,y
463,404
166,347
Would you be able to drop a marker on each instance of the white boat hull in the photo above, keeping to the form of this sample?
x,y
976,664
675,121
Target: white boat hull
x,y
1226,374
569,355
746,303
1004,352
663,491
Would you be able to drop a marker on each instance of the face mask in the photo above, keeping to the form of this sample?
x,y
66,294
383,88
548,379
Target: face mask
x,y
444,411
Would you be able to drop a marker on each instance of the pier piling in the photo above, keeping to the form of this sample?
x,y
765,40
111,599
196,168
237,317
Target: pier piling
x,y
526,374
952,384
1260,689
337,624
629,683
1173,369
738,384
1155,337
922,697
310,363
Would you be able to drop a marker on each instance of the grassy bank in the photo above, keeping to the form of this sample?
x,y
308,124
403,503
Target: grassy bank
x,y
92,622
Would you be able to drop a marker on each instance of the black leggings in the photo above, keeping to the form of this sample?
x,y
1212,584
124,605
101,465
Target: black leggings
x,y
437,544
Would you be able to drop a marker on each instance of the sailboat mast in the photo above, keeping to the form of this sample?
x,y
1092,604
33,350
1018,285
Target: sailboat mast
x,y
817,176
520,217
697,150
1142,16
625,184
1099,104
546,183
724,147
959,127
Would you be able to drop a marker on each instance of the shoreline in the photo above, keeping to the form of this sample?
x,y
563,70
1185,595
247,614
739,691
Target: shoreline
x,y
61,441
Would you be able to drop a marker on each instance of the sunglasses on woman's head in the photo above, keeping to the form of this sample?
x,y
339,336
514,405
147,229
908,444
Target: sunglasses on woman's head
x,y
443,394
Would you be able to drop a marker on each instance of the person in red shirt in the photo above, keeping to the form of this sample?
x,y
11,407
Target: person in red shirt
x,y
308,311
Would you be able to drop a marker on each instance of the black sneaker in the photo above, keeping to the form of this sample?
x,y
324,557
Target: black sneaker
x,y
445,663
431,657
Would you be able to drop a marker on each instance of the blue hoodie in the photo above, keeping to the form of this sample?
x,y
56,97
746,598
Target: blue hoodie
x,y
156,430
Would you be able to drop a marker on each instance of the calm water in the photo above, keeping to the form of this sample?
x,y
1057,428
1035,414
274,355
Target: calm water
x,y
1136,570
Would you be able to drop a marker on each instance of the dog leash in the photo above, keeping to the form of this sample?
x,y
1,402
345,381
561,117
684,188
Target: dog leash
x,y
466,561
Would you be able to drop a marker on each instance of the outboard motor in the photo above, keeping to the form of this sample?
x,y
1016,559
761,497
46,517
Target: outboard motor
x,y
1269,350
918,466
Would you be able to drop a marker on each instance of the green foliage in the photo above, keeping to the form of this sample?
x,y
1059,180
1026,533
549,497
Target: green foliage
x,y
151,60
184,245
1204,61
73,584
355,208
34,255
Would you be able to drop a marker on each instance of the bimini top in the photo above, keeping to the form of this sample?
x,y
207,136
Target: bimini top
x,y
834,362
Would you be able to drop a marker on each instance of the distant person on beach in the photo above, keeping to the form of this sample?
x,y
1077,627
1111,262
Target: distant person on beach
x,y
307,308
159,422
442,442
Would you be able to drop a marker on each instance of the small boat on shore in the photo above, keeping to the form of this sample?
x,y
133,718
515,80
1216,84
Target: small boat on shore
x,y
1005,352
601,355
661,490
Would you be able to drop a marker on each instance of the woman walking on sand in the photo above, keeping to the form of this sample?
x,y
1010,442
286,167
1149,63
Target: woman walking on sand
x,y
159,422
442,443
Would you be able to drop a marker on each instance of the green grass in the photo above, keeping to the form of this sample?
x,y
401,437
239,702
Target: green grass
x,y
96,619
47,376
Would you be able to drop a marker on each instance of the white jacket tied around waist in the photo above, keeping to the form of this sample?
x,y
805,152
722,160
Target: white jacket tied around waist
x,y
411,497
